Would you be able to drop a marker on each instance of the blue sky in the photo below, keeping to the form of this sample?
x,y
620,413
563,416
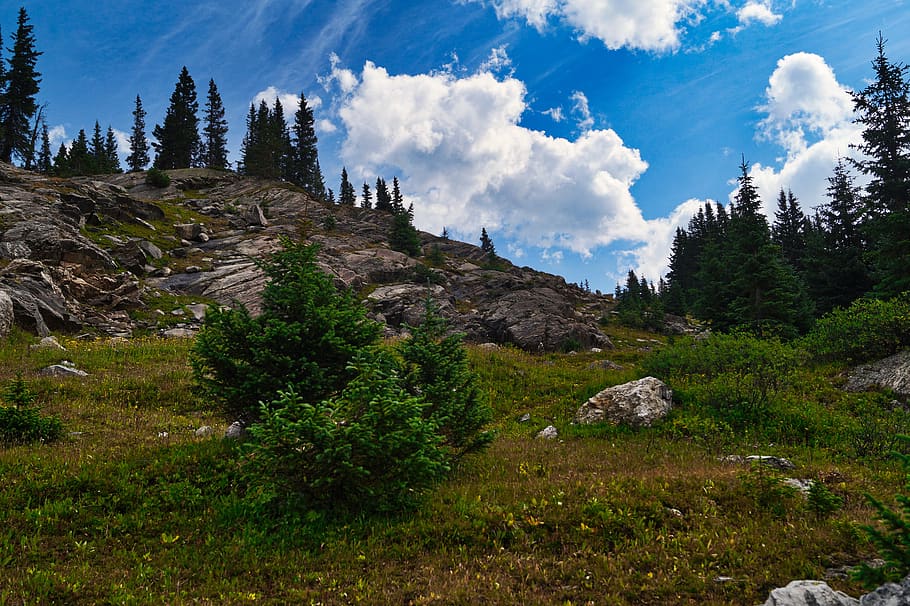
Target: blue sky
x,y
580,133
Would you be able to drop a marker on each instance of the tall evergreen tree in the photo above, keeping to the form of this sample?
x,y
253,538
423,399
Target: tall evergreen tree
x,y
789,229
366,200
883,108
397,198
178,144
111,158
214,131
304,161
79,159
486,243
138,158
383,198
96,151
346,194
17,102
279,142
45,161
404,237
61,162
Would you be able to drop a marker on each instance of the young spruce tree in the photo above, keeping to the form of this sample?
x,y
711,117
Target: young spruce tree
x,y
138,158
214,131
17,101
178,144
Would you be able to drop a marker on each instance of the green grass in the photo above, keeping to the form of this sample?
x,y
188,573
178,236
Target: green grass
x,y
120,514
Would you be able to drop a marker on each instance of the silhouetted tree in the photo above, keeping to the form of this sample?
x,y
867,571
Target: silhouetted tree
x,y
138,158
214,131
20,85
178,144
346,195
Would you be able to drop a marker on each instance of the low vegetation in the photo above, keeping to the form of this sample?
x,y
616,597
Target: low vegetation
x,y
132,507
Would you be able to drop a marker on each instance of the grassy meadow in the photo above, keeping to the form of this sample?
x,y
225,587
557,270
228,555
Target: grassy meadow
x,y
131,507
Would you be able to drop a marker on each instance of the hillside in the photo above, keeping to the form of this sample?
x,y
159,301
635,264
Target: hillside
x,y
116,256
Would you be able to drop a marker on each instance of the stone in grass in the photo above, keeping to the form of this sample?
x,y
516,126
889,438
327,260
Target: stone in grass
x,y
235,431
806,593
204,431
637,404
548,433
64,369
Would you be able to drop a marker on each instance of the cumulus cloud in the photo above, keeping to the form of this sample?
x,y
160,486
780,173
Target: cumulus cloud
x,y
466,161
498,62
123,142
556,114
581,109
57,135
809,114
755,11
289,101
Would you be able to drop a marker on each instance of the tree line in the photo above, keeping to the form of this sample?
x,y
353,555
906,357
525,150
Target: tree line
x,y
731,268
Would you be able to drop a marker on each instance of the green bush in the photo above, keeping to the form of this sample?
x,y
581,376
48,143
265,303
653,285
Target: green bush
x,y
21,422
157,178
371,447
435,367
304,339
869,329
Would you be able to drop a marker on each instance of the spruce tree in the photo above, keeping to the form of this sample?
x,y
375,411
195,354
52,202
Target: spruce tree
x,y
139,145
111,158
79,159
883,108
17,102
45,161
404,237
383,198
346,196
486,243
788,230
214,131
96,151
397,198
366,200
61,167
178,144
279,142
304,160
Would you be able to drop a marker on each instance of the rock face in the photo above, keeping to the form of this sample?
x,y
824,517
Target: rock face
x,y
67,264
889,594
637,403
809,593
891,373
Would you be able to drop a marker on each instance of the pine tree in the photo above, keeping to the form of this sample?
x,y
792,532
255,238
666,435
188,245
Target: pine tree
x,y
178,144
17,102
61,167
883,107
346,195
788,230
486,243
366,200
111,157
45,162
138,158
214,131
304,161
404,237
97,155
383,198
397,198
279,142
79,160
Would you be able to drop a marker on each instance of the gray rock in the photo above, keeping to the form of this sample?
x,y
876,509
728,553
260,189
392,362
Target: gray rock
x,y
198,311
204,431
809,593
62,370
548,433
803,486
254,216
891,373
524,418
779,463
178,333
889,594
235,431
637,403
151,251
188,231
192,269
49,342
6,314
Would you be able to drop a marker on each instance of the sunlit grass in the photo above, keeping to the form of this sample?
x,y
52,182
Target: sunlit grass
x,y
133,508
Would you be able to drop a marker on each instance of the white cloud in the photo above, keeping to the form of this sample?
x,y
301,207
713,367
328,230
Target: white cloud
x,y
650,260
758,11
654,25
582,110
555,113
498,62
326,126
809,115
466,162
123,142
57,135
290,102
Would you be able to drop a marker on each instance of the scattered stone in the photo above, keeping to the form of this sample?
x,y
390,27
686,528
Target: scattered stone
x,y
178,333
178,312
596,350
722,579
889,594
637,403
203,237
163,434
235,431
187,231
489,346
605,365
891,373
254,216
64,369
192,269
6,314
524,418
803,486
548,433
49,342
779,463
809,593
674,512
198,311
204,431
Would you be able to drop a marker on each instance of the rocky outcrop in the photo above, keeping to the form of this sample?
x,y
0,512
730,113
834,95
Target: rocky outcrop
x,y
637,403
809,593
891,373
6,314
889,594
92,268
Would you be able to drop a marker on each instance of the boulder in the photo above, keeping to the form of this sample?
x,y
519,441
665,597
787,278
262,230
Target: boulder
x,y
637,403
406,303
809,593
6,314
889,594
188,231
254,216
891,373
548,433
64,369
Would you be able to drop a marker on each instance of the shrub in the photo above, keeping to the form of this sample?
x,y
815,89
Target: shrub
x,y
21,423
435,366
822,501
893,541
869,329
157,178
371,447
305,337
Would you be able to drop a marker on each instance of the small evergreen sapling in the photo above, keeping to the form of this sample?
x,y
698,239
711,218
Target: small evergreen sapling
x,y
21,422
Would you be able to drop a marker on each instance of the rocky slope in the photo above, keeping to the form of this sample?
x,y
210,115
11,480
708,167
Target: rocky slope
x,y
116,256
